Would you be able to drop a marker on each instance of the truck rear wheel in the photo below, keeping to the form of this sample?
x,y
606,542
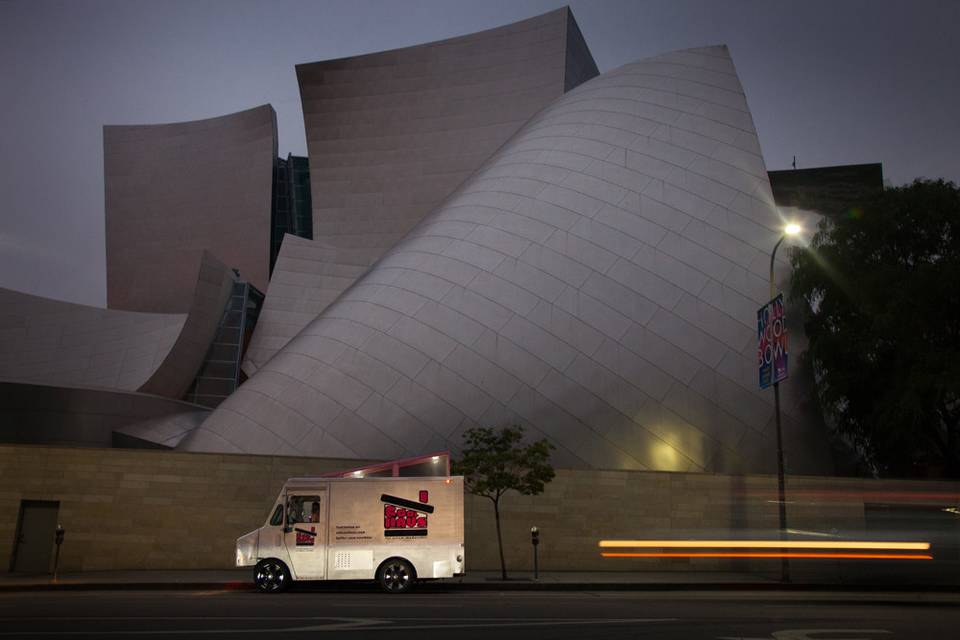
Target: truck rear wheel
x,y
271,576
396,575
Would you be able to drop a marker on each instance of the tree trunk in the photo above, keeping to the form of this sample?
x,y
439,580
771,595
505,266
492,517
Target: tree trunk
x,y
496,515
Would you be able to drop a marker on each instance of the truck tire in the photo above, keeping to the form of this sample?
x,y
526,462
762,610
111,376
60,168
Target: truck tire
x,y
396,575
271,576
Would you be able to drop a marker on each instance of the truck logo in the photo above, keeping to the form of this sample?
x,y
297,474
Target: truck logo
x,y
306,538
402,517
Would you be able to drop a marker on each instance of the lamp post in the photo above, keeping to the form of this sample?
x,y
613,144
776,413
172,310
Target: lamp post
x,y
789,230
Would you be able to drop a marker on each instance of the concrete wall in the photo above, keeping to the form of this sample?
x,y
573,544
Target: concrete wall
x,y
135,509
160,509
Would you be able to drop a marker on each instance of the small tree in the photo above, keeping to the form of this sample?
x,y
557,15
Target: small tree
x,y
496,461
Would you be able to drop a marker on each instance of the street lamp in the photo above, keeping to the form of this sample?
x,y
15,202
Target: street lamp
x,y
789,230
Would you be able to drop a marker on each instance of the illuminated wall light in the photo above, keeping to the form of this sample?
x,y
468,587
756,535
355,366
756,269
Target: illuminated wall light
x,y
666,456
765,544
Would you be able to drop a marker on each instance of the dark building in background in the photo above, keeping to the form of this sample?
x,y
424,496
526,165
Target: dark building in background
x,y
830,191
579,65
292,208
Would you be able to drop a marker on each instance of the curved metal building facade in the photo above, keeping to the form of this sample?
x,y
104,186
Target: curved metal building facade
x,y
175,190
53,342
50,342
392,134
596,281
306,278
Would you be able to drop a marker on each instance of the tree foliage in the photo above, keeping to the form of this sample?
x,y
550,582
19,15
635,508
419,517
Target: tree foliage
x,y
882,293
495,461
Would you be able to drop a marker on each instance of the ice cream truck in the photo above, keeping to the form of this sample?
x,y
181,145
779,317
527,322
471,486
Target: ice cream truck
x,y
363,525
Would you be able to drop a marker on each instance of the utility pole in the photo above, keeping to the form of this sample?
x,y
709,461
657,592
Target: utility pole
x,y
781,479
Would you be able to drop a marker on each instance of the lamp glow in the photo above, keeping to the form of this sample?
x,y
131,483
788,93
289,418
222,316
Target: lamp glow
x,y
792,229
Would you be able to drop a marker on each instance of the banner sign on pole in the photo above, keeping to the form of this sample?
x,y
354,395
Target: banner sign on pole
x,y
772,337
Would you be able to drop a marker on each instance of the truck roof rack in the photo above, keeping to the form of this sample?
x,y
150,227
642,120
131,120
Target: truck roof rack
x,y
430,465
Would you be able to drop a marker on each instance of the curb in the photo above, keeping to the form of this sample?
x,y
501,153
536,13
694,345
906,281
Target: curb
x,y
127,586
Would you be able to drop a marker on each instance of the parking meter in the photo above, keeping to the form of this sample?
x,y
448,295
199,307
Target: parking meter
x,y
58,540
535,540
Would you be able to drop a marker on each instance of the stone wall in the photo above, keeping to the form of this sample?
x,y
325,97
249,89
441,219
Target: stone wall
x,y
138,509
146,509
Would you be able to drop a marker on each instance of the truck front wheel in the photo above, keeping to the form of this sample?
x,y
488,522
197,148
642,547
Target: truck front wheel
x,y
396,575
271,576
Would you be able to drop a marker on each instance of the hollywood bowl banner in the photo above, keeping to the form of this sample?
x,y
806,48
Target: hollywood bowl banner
x,y
772,342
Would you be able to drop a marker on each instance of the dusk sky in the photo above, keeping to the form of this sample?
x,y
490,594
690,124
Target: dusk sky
x,y
832,82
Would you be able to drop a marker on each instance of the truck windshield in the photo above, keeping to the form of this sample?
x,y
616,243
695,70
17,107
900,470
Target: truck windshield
x,y
277,516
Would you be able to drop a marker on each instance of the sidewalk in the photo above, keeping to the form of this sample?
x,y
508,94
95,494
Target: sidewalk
x,y
241,580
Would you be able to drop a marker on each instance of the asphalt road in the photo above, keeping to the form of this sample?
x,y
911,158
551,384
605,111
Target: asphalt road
x,y
365,613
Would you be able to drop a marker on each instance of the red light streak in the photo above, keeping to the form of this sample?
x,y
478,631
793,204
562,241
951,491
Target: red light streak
x,y
828,556
835,545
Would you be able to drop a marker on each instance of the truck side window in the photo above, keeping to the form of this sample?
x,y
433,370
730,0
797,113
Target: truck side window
x,y
303,509
277,518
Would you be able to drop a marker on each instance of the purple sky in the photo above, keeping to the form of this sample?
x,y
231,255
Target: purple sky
x,y
832,82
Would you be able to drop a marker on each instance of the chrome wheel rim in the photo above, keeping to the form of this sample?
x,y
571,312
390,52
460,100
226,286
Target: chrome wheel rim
x,y
270,577
395,576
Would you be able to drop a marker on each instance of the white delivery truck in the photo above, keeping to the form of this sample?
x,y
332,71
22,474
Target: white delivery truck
x,y
394,530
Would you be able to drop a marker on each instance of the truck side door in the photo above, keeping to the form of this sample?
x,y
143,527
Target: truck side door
x,y
305,534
